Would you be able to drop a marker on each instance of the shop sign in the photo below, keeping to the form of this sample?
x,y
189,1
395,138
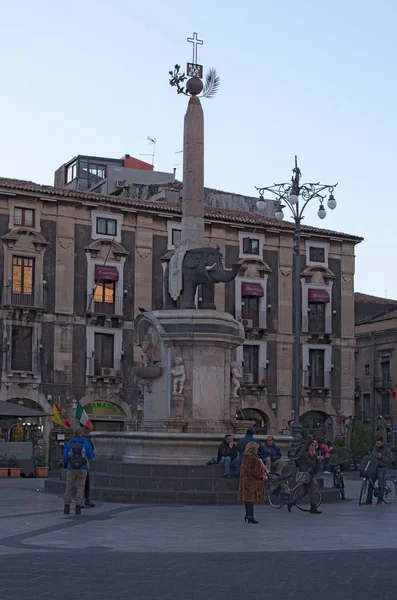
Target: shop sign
x,y
104,411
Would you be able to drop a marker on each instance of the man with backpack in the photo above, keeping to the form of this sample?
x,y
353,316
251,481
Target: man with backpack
x,y
77,452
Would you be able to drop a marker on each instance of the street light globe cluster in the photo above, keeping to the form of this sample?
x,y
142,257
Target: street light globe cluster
x,y
297,196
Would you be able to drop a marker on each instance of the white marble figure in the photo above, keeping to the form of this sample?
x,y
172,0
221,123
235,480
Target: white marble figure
x,y
237,376
179,374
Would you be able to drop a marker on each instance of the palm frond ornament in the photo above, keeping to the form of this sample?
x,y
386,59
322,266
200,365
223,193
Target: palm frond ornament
x,y
211,84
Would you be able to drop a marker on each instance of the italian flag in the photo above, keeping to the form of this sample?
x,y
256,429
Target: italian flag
x,y
84,419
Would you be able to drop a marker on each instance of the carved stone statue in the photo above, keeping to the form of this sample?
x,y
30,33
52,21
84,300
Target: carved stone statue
x,y
179,374
237,376
200,266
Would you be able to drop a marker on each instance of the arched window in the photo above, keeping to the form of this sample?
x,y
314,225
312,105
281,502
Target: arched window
x,y
261,422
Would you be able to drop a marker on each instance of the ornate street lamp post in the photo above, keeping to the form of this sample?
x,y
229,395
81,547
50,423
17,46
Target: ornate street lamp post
x,y
297,196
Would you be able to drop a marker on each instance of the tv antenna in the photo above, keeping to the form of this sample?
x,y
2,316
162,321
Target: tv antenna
x,y
152,142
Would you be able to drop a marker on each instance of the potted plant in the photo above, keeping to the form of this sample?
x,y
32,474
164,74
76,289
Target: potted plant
x,y
14,466
3,465
39,462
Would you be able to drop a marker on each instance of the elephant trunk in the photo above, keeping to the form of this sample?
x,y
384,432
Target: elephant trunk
x,y
220,275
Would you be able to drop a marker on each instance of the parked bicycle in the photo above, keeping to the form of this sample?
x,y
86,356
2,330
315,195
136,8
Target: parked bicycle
x,y
390,490
339,482
280,493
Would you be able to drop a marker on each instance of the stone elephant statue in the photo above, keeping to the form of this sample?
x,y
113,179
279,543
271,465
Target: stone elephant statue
x,y
201,266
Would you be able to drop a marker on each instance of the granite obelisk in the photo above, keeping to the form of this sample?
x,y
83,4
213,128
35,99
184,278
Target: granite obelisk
x,y
193,177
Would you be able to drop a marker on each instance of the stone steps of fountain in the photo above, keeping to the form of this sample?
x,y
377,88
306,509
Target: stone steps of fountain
x,y
166,489
156,470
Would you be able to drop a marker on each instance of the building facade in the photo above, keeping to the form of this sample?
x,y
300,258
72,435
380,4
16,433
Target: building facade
x,y
77,267
376,361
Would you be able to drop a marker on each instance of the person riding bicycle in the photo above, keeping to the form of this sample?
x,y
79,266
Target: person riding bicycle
x,y
384,456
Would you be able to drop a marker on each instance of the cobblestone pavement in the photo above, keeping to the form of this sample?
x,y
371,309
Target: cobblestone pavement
x,y
146,552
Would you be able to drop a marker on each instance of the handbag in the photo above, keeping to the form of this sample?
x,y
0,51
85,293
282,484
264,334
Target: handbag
x,y
303,477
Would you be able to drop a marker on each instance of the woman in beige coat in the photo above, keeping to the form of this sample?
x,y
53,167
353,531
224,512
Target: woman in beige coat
x,y
252,475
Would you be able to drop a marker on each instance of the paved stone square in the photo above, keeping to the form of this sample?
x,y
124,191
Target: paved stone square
x,y
177,552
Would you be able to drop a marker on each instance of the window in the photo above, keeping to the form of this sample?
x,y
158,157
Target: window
x,y
104,352
385,404
24,217
106,226
176,237
104,297
250,309
251,363
22,280
92,173
21,349
317,317
251,245
367,370
367,406
316,369
317,254
385,372
71,172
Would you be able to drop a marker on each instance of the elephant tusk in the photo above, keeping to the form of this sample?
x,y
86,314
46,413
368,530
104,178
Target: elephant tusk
x,y
210,267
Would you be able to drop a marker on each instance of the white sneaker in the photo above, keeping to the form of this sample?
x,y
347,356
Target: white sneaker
x,y
327,473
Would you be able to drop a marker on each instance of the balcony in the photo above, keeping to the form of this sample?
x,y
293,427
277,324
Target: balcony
x,y
109,307
96,369
382,384
316,383
35,300
317,326
22,363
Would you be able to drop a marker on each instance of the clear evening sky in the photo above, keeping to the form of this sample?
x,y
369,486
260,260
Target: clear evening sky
x,y
313,78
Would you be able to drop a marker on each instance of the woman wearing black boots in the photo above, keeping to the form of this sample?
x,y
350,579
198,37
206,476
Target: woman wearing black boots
x,y
252,475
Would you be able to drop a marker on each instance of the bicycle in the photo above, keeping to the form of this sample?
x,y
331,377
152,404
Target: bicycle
x,y
390,490
280,493
339,482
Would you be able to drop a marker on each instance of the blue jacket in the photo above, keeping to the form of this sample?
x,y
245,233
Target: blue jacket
x,y
243,443
87,447
272,452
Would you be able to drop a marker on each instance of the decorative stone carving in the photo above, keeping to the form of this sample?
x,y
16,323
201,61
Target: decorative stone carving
x,y
237,376
179,374
179,402
100,248
318,275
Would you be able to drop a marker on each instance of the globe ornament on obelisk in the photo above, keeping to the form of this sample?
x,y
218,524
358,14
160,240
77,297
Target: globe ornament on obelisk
x,y
193,264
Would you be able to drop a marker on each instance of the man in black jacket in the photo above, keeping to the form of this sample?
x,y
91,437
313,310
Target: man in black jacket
x,y
384,456
228,456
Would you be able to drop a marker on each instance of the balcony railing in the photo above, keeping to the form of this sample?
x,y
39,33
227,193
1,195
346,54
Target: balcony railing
x,y
97,368
109,306
316,325
316,382
382,383
22,362
37,299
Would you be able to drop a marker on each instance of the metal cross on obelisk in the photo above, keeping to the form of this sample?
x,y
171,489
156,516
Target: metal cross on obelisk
x,y
193,69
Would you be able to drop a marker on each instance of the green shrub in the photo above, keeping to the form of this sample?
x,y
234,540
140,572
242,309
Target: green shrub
x,y
13,462
362,442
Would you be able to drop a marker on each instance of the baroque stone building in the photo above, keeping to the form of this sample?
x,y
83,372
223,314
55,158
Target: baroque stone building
x,y
376,360
77,268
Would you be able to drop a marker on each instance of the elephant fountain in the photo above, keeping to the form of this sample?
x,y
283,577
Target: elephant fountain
x,y
200,266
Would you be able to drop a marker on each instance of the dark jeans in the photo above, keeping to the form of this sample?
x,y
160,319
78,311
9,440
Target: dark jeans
x,y
249,509
87,487
308,488
380,476
326,464
226,461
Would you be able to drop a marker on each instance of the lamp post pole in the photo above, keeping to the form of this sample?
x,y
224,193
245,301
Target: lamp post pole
x,y
297,196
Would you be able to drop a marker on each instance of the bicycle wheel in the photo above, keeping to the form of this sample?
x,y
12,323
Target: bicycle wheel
x,y
390,491
341,487
363,492
301,497
275,499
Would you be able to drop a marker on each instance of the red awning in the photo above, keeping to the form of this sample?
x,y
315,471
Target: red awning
x,y
319,296
102,272
252,289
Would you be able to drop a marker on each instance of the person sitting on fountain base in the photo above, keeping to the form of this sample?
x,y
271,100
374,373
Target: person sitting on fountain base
x,y
271,456
228,456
